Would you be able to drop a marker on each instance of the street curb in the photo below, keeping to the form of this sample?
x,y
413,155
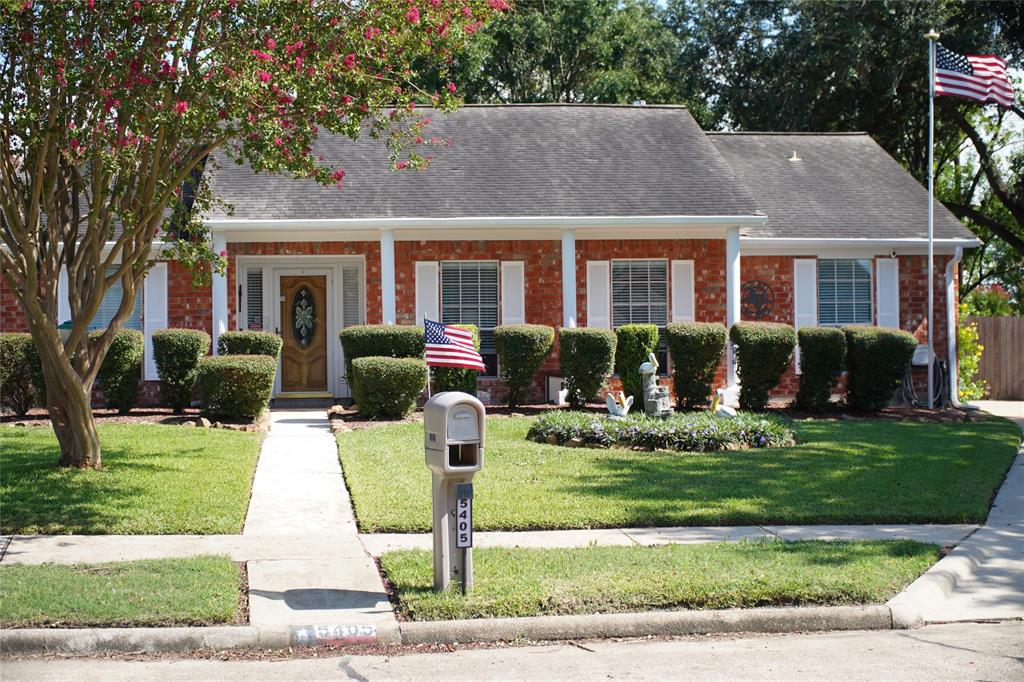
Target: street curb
x,y
937,583
155,640
647,624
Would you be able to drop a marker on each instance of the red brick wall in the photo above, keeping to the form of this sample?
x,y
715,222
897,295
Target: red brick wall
x,y
371,250
188,307
12,317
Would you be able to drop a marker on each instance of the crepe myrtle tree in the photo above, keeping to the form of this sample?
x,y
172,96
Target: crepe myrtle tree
x,y
110,108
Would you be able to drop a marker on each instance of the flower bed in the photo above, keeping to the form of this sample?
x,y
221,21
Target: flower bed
x,y
686,432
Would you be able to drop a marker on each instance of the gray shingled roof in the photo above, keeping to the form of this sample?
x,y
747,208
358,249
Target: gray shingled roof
x,y
844,186
514,160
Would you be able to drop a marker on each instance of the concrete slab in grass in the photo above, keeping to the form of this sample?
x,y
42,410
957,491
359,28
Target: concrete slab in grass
x,y
696,534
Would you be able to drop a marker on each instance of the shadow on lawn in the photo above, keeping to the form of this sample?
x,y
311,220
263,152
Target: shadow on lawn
x,y
891,473
40,497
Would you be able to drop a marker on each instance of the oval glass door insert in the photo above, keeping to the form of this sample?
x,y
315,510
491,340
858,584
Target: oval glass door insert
x,y
303,317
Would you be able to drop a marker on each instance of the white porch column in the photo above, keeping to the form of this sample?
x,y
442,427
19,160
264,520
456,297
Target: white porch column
x,y
568,278
732,292
219,292
387,276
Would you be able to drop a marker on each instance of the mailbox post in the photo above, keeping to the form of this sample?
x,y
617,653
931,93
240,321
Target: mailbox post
x,y
453,425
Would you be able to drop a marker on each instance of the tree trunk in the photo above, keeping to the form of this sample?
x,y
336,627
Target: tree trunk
x,y
69,401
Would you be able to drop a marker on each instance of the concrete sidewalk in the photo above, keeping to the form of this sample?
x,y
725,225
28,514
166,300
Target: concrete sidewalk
x,y
983,578
299,496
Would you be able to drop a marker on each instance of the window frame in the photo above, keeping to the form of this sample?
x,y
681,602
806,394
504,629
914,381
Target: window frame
x,y
138,308
490,357
662,351
853,282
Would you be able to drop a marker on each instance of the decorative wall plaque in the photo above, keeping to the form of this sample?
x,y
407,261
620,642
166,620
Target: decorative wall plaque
x,y
757,300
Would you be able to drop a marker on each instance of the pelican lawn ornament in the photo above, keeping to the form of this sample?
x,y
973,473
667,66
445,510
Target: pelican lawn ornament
x,y
656,399
719,408
618,404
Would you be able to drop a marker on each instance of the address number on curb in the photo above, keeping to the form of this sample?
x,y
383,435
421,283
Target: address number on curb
x,y
464,515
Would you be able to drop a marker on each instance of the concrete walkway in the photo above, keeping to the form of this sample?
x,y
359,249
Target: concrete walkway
x,y
983,578
299,501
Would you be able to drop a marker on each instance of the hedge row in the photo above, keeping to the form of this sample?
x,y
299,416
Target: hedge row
x,y
177,353
692,432
236,386
16,391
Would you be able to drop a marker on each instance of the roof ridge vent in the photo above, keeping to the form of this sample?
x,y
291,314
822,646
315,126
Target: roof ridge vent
x,y
795,157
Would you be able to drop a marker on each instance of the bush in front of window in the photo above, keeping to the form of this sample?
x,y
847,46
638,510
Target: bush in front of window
x,y
16,392
380,340
696,350
177,353
121,369
877,359
635,343
387,388
586,358
763,352
458,378
822,357
521,348
236,386
249,343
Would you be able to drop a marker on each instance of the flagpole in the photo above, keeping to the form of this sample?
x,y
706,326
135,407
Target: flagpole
x,y
428,366
932,36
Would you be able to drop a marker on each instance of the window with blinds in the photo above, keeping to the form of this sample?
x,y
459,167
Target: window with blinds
x,y
111,302
844,291
352,311
254,299
469,295
640,296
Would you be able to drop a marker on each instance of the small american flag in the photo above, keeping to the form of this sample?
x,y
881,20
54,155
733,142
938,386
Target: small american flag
x,y
980,77
450,346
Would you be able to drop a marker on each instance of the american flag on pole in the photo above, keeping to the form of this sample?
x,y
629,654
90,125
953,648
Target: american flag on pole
x,y
981,77
450,346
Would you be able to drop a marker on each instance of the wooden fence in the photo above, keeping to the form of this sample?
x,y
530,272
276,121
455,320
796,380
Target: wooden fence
x,y
1002,363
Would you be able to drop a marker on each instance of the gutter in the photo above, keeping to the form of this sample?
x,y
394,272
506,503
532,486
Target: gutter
x,y
484,222
896,243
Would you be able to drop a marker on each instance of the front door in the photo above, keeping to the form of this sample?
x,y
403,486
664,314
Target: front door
x,y
304,330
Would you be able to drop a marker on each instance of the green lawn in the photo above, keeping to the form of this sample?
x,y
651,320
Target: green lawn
x,y
535,582
155,479
842,472
195,591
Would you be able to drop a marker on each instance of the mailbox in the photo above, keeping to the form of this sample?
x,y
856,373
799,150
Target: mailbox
x,y
454,427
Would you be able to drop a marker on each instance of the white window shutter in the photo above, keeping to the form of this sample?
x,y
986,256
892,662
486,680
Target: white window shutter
x,y
427,292
154,316
63,307
599,298
683,308
887,292
805,295
513,292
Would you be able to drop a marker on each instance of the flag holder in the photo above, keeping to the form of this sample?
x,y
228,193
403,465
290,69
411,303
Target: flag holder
x,y
932,36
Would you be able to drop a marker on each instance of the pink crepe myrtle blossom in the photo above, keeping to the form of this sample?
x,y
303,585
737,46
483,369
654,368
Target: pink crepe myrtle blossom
x,y
223,253
413,15
349,62
337,176
181,107
452,88
401,165
260,55
264,76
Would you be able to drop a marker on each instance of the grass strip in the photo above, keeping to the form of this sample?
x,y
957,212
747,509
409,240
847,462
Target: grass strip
x,y
158,592
155,480
538,582
857,472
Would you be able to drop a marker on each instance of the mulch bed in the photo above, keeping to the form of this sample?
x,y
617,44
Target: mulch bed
x,y
38,416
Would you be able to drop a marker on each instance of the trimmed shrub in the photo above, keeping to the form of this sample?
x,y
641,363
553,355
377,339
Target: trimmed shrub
x,y
586,357
457,378
249,343
877,359
635,343
387,388
16,392
380,340
521,349
695,432
822,355
696,350
121,369
763,352
177,353
236,386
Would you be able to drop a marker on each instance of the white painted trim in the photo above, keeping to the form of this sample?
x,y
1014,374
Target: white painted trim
x,y
568,278
154,315
684,304
849,248
599,294
732,295
219,293
481,222
389,308
513,292
428,291
887,292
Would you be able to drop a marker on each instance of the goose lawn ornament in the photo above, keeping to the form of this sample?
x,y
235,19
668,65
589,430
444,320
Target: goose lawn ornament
x,y
618,404
718,408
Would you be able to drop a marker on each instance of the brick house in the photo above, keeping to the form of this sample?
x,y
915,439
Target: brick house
x,y
565,216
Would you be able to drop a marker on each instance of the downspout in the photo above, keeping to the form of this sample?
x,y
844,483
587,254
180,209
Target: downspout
x,y
951,306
